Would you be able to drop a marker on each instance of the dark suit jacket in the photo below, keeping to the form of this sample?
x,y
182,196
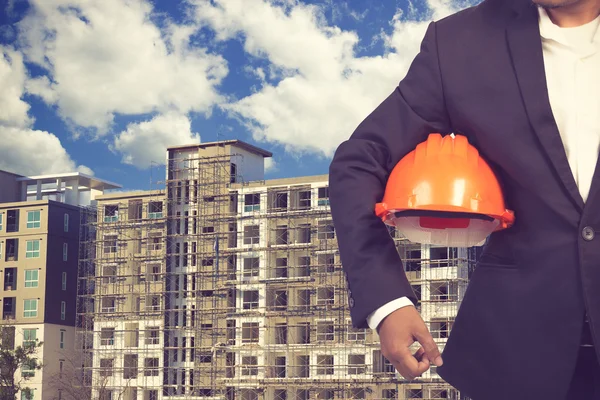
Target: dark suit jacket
x,y
480,73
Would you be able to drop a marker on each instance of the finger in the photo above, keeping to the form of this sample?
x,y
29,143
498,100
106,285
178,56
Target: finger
x,y
431,349
411,367
419,353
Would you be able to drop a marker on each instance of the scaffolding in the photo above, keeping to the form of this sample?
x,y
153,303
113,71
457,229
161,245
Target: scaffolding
x,y
222,288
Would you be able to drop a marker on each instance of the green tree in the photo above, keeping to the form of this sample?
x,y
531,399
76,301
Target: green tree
x,y
14,358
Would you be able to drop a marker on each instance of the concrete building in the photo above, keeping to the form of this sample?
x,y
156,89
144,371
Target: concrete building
x,y
39,250
228,286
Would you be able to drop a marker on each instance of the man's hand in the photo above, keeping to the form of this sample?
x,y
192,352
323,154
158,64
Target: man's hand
x,y
397,332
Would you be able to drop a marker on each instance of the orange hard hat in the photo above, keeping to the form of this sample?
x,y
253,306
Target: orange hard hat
x,y
444,193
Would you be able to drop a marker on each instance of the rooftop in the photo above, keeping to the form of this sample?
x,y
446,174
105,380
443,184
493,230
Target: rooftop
x,y
85,181
233,142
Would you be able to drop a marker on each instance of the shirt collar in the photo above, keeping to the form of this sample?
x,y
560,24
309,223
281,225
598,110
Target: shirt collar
x,y
550,31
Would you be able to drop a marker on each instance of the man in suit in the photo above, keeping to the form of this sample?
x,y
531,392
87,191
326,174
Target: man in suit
x,y
520,79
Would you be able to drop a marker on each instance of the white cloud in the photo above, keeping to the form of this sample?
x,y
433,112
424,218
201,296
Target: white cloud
x,y
326,90
108,57
33,152
145,142
270,165
13,110
22,149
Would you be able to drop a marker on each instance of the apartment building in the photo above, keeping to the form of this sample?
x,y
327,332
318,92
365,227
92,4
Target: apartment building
x,y
39,249
225,285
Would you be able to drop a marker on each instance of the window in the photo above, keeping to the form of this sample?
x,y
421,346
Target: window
x,y
27,371
279,300
280,372
155,210
250,300
34,219
382,365
389,393
233,173
29,337
153,303
62,338
304,299
109,274
251,234
12,250
111,213
10,279
65,251
151,367
278,201
9,307
63,310
324,365
444,291
281,267
303,333
440,328
110,244
12,221
250,332
303,364
326,230
155,241
441,256
108,304
356,364
303,266
281,333
30,308
130,366
1,221
251,266
325,296
106,366
64,281
27,394
325,331
252,202
152,335
281,234
31,278
326,263
107,336
155,270
304,196
355,335
66,223
356,393
323,195
33,249
304,233
249,365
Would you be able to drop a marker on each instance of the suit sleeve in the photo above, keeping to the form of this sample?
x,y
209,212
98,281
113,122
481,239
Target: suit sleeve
x,y
358,175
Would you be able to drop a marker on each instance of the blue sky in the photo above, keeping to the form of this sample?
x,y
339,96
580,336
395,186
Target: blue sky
x,y
103,86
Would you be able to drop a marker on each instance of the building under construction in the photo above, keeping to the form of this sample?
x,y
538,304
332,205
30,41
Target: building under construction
x,y
225,285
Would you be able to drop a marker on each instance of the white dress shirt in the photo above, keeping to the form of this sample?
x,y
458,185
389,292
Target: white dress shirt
x,y
572,65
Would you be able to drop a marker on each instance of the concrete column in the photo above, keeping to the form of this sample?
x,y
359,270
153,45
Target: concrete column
x,y
59,194
38,193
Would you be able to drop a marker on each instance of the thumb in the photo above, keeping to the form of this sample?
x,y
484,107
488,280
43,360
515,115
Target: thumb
x,y
431,350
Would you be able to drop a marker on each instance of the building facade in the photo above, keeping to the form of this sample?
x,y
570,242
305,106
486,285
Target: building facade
x,y
225,285
39,250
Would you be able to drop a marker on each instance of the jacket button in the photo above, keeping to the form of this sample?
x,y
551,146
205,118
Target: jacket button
x,y
351,302
588,233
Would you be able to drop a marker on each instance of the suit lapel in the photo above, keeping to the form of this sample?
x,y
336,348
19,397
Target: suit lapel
x,y
525,46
